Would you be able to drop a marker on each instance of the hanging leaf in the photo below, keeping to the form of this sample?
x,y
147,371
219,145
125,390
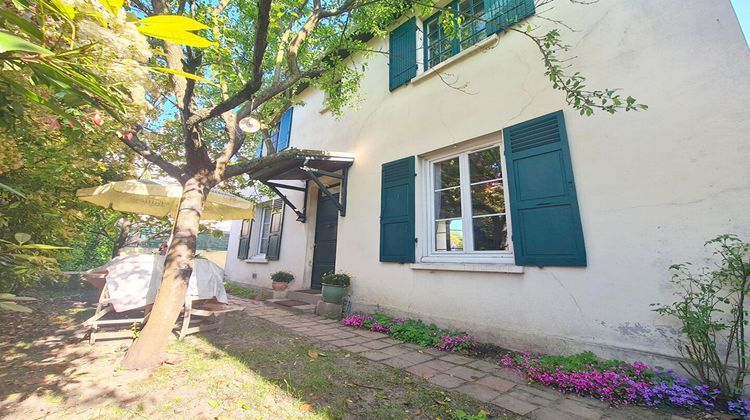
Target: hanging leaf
x,y
10,42
177,36
26,26
112,5
180,23
64,8
182,73
10,296
9,306
175,29
43,247
11,190
22,238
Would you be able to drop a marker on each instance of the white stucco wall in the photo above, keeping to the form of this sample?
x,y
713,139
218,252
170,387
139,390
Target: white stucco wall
x,y
293,256
652,186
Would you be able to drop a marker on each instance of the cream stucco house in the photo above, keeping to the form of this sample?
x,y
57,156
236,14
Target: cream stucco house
x,y
499,210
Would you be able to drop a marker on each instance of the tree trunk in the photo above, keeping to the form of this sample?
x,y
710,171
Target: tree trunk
x,y
148,349
122,237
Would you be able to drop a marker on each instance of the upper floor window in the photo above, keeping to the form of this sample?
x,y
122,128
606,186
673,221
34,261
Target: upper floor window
x,y
470,26
279,135
474,21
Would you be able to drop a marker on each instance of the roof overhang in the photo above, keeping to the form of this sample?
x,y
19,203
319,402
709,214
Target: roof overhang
x,y
295,167
325,169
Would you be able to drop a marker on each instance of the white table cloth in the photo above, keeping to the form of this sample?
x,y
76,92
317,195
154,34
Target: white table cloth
x,y
133,281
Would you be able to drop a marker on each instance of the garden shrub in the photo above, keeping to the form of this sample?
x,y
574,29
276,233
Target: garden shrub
x,y
711,308
417,332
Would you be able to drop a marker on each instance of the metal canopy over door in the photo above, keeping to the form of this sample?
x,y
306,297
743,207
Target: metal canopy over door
x,y
326,227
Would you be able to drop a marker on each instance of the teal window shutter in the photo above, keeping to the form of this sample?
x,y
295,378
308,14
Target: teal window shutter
x,y
397,211
285,130
544,208
259,149
274,235
402,57
501,14
244,247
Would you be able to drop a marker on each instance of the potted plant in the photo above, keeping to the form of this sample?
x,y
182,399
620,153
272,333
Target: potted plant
x,y
334,286
281,280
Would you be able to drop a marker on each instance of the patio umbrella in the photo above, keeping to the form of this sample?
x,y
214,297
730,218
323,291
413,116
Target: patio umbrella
x,y
161,198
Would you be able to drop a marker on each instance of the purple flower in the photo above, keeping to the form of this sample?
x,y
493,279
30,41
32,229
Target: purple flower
x,y
455,343
380,328
617,385
740,408
356,320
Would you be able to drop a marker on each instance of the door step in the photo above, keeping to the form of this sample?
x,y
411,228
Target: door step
x,y
310,296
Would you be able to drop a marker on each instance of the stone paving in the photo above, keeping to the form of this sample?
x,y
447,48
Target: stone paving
x,y
479,379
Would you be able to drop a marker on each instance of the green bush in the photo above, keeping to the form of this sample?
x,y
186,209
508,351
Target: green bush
x,y
25,265
711,305
282,276
417,332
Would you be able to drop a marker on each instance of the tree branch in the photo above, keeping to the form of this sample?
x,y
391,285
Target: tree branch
x,y
273,90
234,137
131,139
174,56
256,79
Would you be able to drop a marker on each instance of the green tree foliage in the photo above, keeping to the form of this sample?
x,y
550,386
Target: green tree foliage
x,y
22,263
70,74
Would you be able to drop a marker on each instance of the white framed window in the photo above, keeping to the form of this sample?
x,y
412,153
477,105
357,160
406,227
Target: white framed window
x,y
466,213
265,239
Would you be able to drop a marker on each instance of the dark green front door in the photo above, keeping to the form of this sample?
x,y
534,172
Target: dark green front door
x,y
326,226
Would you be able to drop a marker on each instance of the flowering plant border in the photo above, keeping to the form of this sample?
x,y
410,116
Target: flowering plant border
x,y
620,383
412,331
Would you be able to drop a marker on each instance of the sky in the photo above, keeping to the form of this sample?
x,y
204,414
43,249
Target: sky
x,y
742,8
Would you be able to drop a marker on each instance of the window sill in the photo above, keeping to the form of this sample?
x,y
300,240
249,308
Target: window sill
x,y
482,45
473,267
257,260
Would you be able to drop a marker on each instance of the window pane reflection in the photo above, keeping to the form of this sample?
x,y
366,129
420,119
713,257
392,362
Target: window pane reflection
x,y
449,235
448,203
487,198
490,233
447,174
484,165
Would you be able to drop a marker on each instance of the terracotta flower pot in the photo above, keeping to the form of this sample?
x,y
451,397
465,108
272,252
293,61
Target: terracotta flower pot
x,y
279,285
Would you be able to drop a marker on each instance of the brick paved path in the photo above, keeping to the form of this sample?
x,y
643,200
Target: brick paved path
x,y
479,379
